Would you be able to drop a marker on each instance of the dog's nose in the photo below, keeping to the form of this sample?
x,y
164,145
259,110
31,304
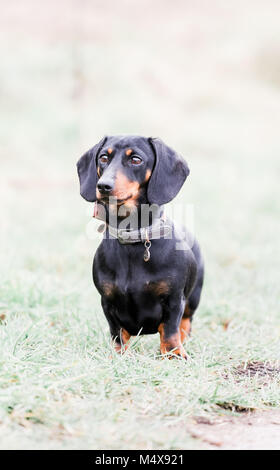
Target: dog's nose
x,y
105,187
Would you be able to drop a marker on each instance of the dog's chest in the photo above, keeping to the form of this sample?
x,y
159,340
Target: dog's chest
x,y
137,305
136,295
135,289
132,279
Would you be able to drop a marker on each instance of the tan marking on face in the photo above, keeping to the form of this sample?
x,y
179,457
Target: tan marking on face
x,y
171,344
98,171
130,205
110,150
98,195
148,175
124,188
128,152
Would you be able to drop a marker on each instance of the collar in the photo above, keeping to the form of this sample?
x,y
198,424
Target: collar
x,y
159,229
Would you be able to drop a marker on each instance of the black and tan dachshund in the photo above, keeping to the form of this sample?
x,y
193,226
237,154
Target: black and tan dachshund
x,y
148,271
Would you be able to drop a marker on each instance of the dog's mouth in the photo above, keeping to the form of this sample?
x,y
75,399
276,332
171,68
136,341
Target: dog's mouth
x,y
113,199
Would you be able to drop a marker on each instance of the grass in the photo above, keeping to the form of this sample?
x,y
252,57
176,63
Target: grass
x,y
61,385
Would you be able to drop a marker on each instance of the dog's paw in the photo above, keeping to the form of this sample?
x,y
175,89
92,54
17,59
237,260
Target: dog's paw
x,y
176,353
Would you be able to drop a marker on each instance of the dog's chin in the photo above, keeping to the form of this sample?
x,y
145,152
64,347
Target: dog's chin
x,y
113,200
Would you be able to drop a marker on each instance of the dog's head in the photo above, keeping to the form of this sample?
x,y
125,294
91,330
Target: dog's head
x,y
131,169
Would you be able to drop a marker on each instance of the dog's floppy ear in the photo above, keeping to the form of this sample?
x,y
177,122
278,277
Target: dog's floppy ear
x,y
169,174
87,172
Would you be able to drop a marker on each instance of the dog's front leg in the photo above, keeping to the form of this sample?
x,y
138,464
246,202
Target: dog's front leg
x,y
169,329
120,336
121,340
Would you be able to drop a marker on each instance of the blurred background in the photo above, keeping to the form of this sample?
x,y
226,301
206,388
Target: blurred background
x,y
204,76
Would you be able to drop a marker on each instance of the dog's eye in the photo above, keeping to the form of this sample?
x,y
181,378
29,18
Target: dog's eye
x,y
135,160
103,158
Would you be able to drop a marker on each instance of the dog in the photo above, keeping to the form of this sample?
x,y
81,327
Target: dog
x,y
147,285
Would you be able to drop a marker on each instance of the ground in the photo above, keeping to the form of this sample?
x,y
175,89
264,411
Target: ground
x,y
253,431
206,79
